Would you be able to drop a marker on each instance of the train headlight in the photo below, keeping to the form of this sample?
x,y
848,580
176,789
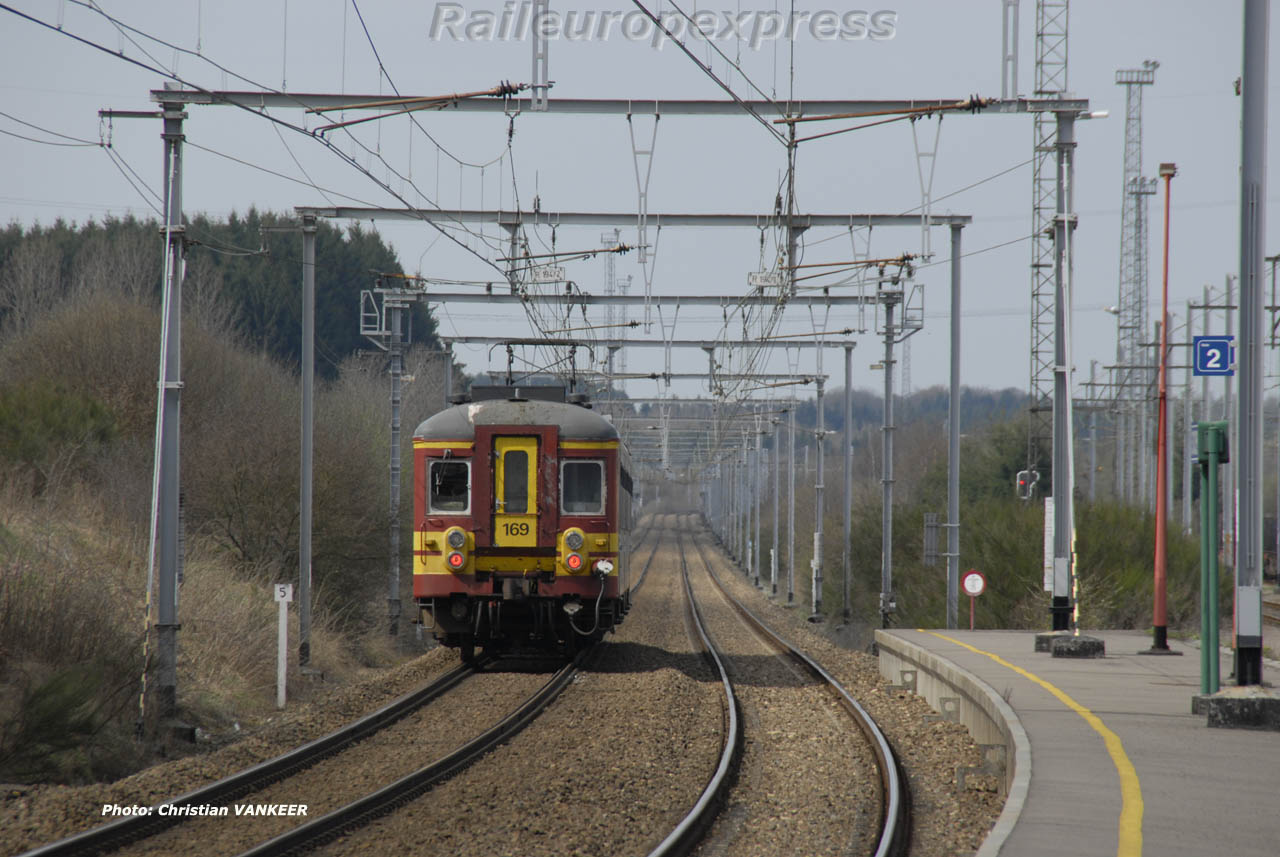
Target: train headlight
x,y
573,561
456,539
574,539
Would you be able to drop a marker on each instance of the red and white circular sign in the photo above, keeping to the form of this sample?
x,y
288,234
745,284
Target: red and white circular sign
x,y
974,583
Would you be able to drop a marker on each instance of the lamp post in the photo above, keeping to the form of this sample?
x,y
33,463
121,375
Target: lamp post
x,y
1160,622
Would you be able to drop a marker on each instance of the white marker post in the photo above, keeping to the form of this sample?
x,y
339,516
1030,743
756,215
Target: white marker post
x,y
284,594
974,584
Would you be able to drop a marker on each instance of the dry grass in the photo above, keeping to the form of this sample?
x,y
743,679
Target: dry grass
x,y
72,592
73,549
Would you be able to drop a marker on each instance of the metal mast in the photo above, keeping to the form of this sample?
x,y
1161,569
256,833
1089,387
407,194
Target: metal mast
x,y
166,540
1051,80
1248,453
611,312
1131,317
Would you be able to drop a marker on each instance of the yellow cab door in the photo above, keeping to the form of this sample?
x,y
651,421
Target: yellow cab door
x,y
515,488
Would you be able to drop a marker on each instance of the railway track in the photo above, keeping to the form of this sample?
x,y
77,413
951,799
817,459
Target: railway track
x,y
653,732
213,836
686,835
894,828
118,834
166,815
359,812
1271,610
894,834
376,804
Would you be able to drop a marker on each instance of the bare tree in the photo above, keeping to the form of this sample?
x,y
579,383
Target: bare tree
x,y
31,282
204,302
119,260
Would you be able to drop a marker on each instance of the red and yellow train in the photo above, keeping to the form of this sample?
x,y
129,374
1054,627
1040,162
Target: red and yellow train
x,y
522,505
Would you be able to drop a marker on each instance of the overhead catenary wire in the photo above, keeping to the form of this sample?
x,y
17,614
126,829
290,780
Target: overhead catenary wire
x,y
384,73
905,257
116,156
125,29
116,163
947,195
929,264
973,104
143,188
412,104
710,73
735,64
842,332
75,141
159,68
441,228
322,190
852,128
45,142
310,181
277,130
569,255
594,327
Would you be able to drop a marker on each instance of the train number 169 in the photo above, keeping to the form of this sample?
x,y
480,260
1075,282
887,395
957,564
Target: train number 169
x,y
516,529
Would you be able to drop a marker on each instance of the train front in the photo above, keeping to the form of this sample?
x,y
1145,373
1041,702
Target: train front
x,y
520,508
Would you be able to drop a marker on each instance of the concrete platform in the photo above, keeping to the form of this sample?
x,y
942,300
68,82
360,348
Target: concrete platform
x,y
1102,754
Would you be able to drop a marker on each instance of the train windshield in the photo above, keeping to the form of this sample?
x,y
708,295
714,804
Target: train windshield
x,y
582,487
515,487
450,486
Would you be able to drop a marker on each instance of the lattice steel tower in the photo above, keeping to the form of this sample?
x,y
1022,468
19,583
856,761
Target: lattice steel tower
x,y
1051,81
1133,376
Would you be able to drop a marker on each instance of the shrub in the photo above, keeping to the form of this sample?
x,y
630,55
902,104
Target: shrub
x,y
49,430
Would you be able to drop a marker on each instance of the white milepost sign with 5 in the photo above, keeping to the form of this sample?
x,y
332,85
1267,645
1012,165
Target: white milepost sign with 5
x,y
283,594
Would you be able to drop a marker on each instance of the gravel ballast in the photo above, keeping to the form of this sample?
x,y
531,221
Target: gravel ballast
x,y
808,782
945,822
35,815
610,768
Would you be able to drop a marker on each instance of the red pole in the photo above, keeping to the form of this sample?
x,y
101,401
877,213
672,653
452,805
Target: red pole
x,y
972,600
1160,619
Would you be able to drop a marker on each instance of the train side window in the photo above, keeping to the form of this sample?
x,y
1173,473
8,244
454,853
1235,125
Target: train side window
x,y
582,487
450,486
515,482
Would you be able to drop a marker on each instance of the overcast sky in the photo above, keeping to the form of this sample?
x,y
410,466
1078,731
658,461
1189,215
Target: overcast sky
x,y
936,50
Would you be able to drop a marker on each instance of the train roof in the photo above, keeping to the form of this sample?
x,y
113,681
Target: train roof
x,y
459,422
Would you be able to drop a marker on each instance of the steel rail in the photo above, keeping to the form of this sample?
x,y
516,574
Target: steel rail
x,y
385,800
653,551
117,834
1271,611
895,819
686,835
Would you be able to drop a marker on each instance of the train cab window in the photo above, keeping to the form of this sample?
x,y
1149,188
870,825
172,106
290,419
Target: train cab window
x,y
450,486
515,482
582,487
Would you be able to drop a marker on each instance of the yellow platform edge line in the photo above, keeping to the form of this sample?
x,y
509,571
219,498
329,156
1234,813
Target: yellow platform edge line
x,y
1129,842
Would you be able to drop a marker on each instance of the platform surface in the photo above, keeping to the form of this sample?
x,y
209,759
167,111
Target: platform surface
x,y
1192,791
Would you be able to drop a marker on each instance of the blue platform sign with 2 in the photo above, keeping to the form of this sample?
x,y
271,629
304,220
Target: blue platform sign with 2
x,y
1213,355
